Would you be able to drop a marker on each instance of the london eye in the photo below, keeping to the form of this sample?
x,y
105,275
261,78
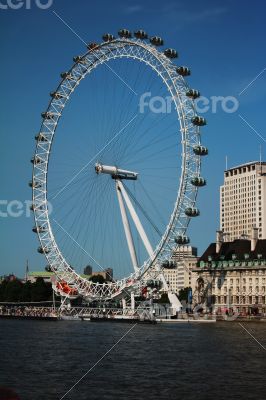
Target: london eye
x,y
120,165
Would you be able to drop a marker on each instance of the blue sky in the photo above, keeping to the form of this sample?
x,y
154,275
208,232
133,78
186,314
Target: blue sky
x,y
223,42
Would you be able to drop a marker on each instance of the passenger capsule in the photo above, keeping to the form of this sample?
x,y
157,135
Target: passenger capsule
x,y
184,71
182,240
124,33
43,250
198,121
41,138
198,181
192,212
39,229
168,264
56,95
108,37
34,207
200,150
48,115
141,34
92,46
35,160
156,41
170,53
34,185
66,75
194,94
165,264
79,59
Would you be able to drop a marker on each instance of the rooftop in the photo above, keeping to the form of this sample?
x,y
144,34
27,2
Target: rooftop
x,y
246,165
237,249
44,274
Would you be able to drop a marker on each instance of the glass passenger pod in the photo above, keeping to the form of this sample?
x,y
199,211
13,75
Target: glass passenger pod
x,y
43,250
56,95
156,41
182,240
184,71
141,34
200,150
35,185
108,37
66,75
66,289
35,160
193,93
48,115
92,46
34,207
192,212
198,181
79,60
168,264
198,121
170,53
125,33
39,229
41,138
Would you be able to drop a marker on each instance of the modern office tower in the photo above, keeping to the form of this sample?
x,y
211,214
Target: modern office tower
x,y
243,201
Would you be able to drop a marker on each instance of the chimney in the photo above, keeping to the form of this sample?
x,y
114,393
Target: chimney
x,y
219,240
254,237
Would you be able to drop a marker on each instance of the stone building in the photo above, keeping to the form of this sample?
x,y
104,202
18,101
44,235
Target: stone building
x,y
232,275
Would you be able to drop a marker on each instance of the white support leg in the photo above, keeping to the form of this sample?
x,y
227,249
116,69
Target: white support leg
x,y
119,174
132,301
124,305
128,233
136,220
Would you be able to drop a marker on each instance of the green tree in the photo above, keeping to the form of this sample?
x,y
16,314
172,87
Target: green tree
x,y
13,290
183,293
41,291
26,292
3,286
97,279
164,299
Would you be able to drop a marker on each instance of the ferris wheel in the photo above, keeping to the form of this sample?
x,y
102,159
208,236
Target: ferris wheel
x,y
137,169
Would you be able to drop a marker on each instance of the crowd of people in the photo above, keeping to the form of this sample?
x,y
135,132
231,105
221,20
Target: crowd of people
x,y
26,311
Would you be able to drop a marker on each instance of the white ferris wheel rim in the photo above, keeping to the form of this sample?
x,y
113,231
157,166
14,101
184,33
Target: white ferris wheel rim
x,y
187,193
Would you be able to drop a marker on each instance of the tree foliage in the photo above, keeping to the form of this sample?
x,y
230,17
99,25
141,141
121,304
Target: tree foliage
x,y
184,293
163,299
17,291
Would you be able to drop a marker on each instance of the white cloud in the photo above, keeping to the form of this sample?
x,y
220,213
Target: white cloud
x,y
133,9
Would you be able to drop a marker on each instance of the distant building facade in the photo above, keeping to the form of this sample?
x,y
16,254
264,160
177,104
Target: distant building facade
x,y
33,276
46,276
9,278
184,260
87,270
232,275
107,274
243,201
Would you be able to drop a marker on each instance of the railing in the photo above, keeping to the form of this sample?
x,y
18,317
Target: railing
x,y
80,312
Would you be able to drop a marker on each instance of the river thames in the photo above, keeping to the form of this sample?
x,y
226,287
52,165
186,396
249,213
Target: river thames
x,y
42,360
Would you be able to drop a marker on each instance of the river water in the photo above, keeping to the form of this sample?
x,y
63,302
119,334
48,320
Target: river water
x,y
42,360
